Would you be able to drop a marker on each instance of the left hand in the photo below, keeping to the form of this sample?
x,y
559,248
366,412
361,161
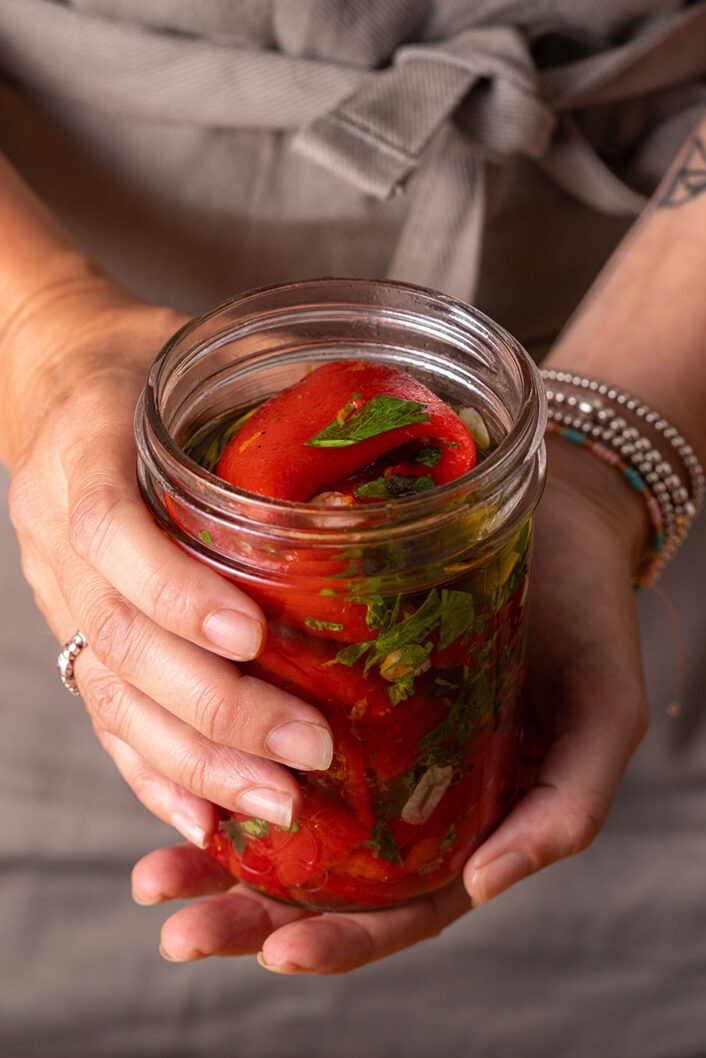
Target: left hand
x,y
588,713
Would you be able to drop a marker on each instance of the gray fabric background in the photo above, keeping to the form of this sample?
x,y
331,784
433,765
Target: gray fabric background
x,y
605,954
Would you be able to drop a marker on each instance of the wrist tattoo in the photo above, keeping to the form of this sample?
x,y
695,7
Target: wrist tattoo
x,y
689,179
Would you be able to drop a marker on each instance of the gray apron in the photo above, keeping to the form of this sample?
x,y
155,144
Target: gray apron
x,y
496,150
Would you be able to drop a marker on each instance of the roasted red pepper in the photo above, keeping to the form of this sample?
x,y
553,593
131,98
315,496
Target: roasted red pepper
x,y
412,685
338,420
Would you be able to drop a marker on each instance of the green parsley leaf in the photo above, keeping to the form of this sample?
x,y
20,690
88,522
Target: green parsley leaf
x,y
383,845
206,536
401,689
376,614
378,415
456,609
411,629
350,654
428,456
235,836
323,626
393,486
255,828
472,711
448,838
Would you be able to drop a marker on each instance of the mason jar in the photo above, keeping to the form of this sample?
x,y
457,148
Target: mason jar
x,y
401,620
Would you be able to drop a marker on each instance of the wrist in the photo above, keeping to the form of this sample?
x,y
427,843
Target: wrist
x,y
649,454
66,333
578,479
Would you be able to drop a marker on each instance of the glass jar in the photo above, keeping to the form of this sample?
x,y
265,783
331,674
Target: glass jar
x,y
402,621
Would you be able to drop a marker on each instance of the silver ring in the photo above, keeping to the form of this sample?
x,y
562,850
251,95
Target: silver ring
x,y
67,658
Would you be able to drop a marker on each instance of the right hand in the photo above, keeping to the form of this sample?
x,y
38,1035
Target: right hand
x,y
183,726
587,711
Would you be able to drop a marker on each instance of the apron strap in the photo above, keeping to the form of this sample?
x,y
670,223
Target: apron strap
x,y
427,124
377,136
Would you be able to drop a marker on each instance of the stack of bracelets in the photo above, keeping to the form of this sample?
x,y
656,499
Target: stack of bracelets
x,y
658,463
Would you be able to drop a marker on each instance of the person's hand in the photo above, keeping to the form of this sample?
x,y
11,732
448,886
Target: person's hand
x,y
184,727
587,715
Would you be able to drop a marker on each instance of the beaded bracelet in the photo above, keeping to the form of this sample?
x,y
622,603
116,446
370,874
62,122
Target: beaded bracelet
x,y
590,413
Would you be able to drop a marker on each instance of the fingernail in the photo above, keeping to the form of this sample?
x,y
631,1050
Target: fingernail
x,y
272,805
189,829
494,877
301,745
279,968
233,632
191,957
147,901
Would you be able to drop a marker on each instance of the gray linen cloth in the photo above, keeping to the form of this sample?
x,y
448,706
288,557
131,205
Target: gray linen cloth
x,y
493,149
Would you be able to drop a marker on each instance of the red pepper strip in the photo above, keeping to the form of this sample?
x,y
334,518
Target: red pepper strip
x,y
318,616
271,454
325,836
291,662
282,859
393,740
251,867
302,607
349,770
309,668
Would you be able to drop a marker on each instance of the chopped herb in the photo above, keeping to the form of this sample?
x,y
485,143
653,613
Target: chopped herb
x,y
350,654
448,838
206,448
402,648
472,711
393,486
255,828
376,613
456,609
235,836
401,689
206,536
428,456
378,415
411,629
237,832
351,570
323,626
383,844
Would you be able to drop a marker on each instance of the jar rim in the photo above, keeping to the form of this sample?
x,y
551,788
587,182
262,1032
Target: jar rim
x,y
516,448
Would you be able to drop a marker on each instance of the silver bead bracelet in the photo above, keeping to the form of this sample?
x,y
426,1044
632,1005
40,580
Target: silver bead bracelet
x,y
593,414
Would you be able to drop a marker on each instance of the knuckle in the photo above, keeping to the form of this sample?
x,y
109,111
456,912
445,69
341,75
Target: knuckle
x,y
106,699
92,517
167,598
214,716
583,827
110,631
195,770
21,503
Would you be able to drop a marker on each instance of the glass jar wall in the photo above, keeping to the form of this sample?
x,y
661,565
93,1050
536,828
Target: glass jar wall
x,y
403,620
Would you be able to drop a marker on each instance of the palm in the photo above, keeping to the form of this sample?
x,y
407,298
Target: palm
x,y
587,714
